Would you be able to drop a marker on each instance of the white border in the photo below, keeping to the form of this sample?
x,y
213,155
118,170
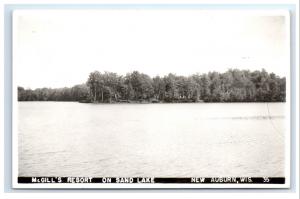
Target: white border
x,y
284,13
14,108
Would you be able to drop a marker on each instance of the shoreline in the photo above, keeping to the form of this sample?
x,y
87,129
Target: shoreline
x,y
152,102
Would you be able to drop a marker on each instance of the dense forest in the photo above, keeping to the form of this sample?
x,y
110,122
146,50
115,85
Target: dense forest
x,y
232,86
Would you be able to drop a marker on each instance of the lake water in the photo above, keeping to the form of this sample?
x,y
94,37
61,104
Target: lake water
x,y
161,140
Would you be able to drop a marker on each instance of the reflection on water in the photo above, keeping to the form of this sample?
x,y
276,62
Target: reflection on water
x,y
162,140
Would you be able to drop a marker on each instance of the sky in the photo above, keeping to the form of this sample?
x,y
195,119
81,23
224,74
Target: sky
x,y
58,48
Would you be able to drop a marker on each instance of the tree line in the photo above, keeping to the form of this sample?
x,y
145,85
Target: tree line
x,y
75,93
231,86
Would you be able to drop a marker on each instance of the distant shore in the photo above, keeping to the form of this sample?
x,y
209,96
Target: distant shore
x,y
231,86
153,101
161,102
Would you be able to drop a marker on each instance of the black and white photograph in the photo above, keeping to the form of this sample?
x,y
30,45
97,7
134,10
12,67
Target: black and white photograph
x,y
151,98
